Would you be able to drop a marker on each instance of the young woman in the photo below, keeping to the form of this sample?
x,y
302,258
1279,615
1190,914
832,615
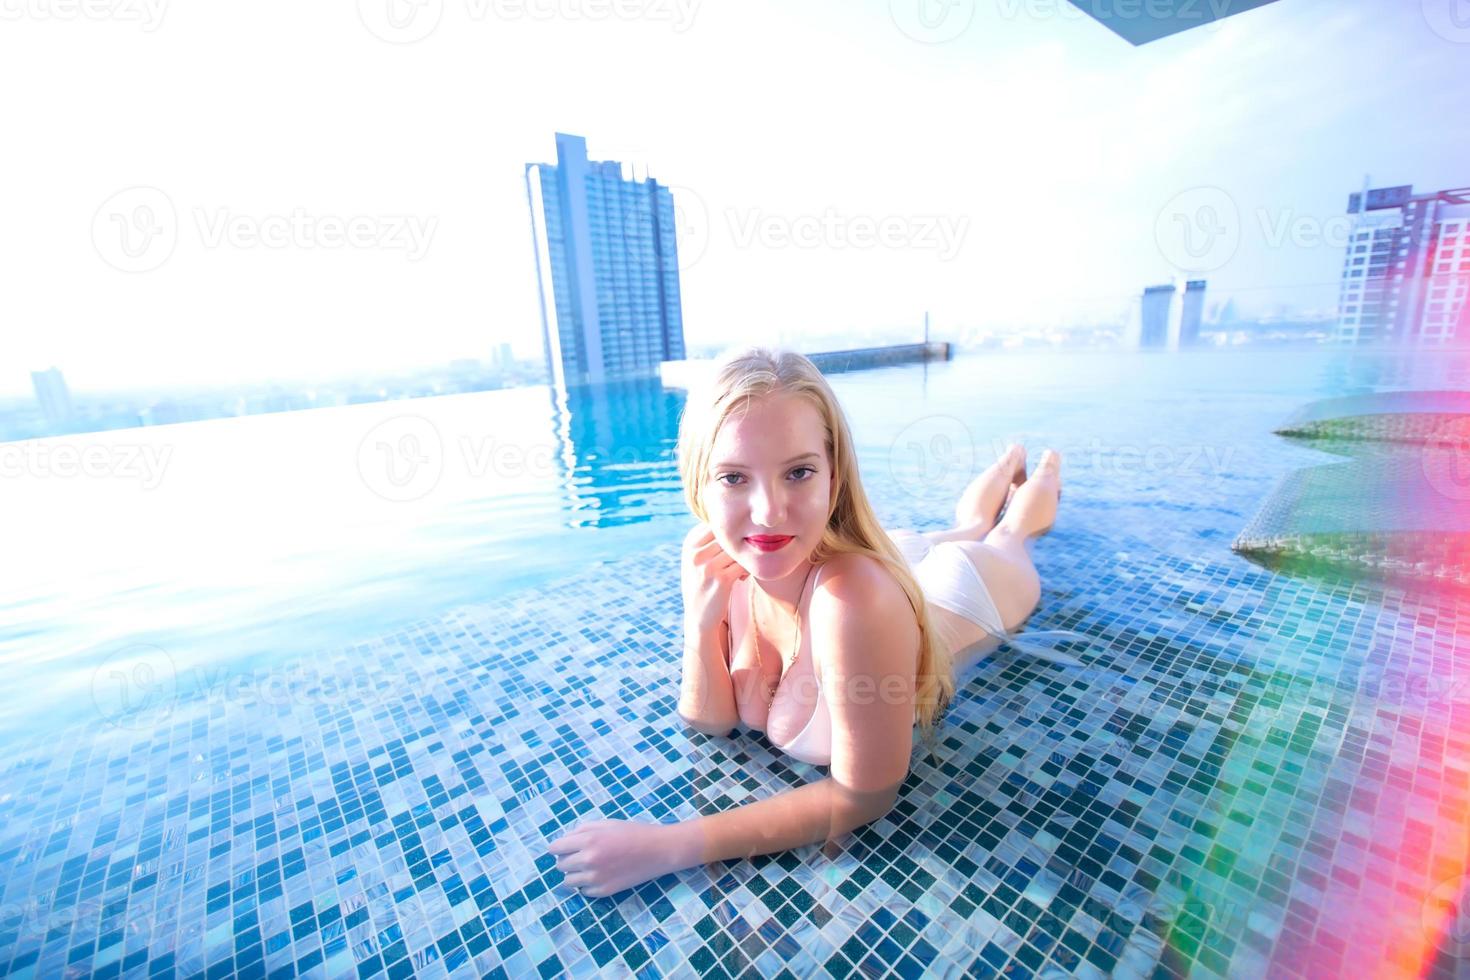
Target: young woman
x,y
804,619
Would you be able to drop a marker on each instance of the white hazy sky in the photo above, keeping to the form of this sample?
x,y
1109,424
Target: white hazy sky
x,y
1059,151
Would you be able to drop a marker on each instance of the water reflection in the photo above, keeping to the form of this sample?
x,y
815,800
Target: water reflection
x,y
615,451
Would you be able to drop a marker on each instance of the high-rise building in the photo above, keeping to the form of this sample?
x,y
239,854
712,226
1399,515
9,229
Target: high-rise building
x,y
1169,315
607,265
1154,316
1407,268
1191,308
53,396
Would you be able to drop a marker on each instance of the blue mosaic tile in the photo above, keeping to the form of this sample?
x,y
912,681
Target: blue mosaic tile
x,y
1204,797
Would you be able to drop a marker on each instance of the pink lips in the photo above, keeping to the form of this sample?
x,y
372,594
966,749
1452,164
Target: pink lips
x,y
768,542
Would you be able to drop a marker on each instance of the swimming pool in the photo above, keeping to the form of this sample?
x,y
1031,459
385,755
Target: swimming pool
x,y
313,695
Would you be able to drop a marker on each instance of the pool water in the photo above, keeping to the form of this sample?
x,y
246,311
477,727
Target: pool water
x,y
313,698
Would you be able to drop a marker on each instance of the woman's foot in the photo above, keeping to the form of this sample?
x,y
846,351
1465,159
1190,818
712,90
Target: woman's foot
x,y
1033,507
980,504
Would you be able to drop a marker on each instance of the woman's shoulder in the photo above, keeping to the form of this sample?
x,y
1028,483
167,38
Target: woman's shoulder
x,y
854,579
859,602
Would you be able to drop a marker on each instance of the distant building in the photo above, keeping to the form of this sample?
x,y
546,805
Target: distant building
x,y
1154,316
607,266
1191,306
53,396
1169,316
1405,275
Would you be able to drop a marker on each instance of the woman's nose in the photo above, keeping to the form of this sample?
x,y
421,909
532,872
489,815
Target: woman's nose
x,y
767,506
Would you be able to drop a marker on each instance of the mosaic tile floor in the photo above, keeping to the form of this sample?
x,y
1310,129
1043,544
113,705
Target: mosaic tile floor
x,y
1254,774
1197,800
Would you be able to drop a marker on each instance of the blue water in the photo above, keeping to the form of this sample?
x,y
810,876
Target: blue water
x,y
411,677
255,540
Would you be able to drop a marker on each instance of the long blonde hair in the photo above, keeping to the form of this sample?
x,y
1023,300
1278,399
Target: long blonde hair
x,y
852,527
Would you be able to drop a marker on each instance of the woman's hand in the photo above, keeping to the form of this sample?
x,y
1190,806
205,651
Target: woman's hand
x,y
707,573
607,856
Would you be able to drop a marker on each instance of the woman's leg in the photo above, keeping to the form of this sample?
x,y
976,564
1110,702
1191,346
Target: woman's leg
x,y
980,504
1003,558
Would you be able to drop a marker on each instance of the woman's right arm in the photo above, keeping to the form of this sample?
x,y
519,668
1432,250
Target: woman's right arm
x,y
706,693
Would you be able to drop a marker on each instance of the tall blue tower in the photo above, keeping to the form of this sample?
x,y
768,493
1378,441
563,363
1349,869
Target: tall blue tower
x,y
607,266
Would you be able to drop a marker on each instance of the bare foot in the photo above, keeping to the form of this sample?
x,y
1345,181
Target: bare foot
x,y
980,504
1033,507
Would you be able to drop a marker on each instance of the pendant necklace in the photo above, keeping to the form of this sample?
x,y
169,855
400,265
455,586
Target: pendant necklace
x,y
796,643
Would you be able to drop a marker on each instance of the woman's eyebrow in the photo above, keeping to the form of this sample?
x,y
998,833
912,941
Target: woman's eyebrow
x,y
741,466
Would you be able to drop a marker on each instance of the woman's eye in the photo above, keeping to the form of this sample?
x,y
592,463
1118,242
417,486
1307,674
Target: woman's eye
x,y
724,477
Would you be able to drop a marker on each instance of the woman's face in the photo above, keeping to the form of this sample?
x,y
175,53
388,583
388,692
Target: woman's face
x,y
770,478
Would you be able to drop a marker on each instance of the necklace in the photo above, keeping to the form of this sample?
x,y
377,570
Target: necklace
x,y
795,644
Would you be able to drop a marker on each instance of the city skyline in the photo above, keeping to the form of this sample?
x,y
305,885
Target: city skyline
x,y
966,175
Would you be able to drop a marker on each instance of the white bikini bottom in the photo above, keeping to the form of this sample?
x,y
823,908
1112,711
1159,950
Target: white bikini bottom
x,y
950,580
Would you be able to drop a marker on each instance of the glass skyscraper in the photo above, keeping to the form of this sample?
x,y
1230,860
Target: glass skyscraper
x,y
607,266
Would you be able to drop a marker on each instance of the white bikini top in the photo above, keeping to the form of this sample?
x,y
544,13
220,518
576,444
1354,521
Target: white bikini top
x,y
813,744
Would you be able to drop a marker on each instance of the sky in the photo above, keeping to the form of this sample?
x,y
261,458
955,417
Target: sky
x,y
219,193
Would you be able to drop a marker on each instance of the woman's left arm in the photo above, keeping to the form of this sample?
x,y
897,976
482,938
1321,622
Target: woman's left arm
x,y
863,619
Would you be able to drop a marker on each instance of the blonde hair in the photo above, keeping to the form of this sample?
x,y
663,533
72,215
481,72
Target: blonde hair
x,y
852,527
